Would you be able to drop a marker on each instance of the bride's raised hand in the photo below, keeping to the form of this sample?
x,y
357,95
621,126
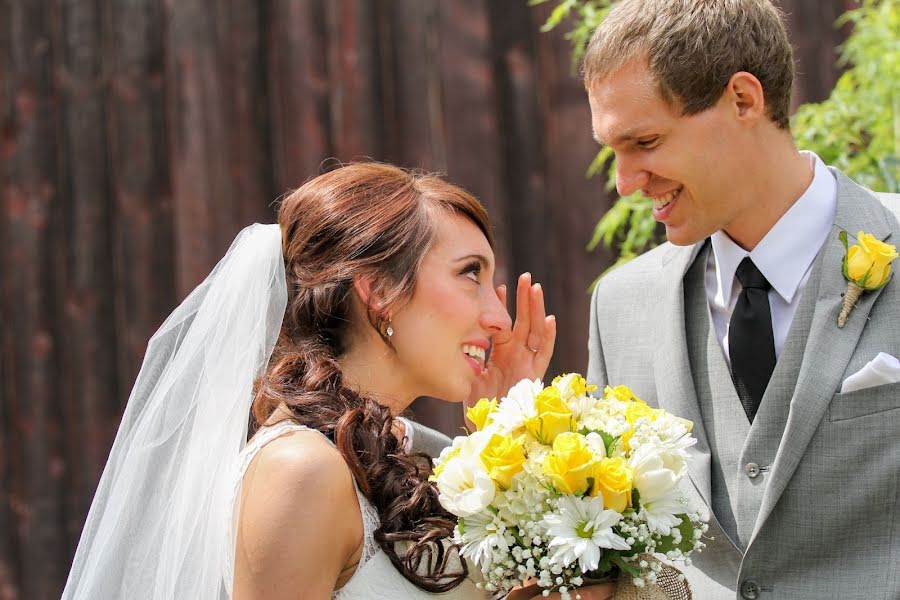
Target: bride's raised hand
x,y
523,351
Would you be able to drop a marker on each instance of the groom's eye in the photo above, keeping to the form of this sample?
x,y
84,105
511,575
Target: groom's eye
x,y
648,143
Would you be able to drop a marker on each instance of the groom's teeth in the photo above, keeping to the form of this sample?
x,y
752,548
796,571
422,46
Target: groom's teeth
x,y
475,352
663,201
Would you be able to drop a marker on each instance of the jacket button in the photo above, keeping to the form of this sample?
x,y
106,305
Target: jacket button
x,y
752,470
750,589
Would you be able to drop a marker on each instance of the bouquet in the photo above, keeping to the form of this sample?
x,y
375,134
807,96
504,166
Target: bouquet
x,y
563,488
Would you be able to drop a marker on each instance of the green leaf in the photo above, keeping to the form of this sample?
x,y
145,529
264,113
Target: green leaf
x,y
629,568
667,543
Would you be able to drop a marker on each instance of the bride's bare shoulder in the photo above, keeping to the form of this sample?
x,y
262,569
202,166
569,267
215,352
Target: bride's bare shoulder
x,y
297,507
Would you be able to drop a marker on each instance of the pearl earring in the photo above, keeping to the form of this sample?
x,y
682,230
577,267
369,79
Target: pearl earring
x,y
390,330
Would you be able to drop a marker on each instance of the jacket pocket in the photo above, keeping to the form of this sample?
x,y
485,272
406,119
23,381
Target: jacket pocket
x,y
868,401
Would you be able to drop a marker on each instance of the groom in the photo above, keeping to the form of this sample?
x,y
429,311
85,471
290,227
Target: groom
x,y
732,324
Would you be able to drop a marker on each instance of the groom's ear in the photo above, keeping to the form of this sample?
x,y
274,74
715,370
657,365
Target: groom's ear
x,y
745,94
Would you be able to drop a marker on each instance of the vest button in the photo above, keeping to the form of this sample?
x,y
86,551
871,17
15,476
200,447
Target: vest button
x,y
752,470
750,589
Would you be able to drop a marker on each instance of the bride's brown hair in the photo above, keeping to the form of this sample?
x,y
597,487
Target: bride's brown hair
x,y
376,221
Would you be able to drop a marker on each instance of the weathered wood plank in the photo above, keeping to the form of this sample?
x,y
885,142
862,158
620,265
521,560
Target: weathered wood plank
x,y
247,145
298,91
85,277
142,232
352,63
203,204
815,40
32,201
576,203
413,112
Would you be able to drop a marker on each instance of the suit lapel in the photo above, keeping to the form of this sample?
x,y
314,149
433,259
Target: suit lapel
x,y
828,348
671,366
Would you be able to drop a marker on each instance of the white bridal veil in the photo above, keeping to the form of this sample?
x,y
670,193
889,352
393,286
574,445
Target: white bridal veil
x,y
158,527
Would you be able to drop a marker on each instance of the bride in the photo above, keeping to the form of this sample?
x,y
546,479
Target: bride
x,y
374,288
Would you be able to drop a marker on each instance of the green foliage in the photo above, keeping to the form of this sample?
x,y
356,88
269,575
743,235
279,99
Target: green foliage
x,y
586,15
857,129
686,530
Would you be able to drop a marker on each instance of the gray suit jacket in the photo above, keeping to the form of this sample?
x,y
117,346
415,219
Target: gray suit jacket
x,y
824,514
427,440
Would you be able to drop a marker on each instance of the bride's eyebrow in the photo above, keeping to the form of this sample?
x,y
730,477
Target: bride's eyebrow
x,y
485,261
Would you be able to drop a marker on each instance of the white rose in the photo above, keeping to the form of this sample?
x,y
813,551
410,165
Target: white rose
x,y
656,472
595,443
464,486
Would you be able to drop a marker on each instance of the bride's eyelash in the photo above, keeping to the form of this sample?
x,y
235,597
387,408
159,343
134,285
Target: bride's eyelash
x,y
472,267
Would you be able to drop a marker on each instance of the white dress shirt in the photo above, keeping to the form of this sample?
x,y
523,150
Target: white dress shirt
x,y
784,256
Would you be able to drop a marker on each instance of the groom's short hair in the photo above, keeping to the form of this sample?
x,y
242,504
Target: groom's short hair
x,y
694,47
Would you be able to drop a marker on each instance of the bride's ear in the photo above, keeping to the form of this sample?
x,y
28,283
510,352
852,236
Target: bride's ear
x,y
368,295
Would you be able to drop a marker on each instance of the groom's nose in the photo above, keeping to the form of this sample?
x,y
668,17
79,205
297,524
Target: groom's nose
x,y
630,177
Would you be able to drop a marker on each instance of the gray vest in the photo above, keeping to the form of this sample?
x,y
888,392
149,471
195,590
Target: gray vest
x,y
741,454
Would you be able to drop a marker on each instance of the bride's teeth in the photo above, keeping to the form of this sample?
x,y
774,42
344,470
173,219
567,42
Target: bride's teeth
x,y
475,352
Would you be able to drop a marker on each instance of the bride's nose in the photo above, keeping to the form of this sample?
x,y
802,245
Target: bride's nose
x,y
494,316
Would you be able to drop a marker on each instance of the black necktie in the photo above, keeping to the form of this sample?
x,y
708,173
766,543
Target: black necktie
x,y
751,344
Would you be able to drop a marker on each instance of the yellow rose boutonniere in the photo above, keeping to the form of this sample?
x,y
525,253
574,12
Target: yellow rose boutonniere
x,y
866,267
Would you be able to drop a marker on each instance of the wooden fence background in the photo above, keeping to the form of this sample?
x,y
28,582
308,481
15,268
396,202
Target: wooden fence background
x,y
138,136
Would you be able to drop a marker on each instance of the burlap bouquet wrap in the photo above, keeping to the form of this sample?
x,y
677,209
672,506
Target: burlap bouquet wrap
x,y
670,585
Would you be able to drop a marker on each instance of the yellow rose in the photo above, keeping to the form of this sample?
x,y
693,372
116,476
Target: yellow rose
x,y
621,392
637,409
553,417
868,262
503,457
613,479
481,412
570,465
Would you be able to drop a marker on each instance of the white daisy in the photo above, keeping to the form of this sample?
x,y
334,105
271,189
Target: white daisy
x,y
479,535
517,406
581,529
661,513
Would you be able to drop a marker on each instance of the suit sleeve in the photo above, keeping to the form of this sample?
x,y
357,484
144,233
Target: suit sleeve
x,y
424,439
596,369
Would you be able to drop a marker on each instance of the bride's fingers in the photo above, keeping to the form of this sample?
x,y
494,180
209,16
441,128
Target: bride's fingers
x,y
548,342
523,303
537,313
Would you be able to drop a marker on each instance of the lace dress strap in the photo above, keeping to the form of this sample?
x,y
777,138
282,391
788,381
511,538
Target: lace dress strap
x,y
263,437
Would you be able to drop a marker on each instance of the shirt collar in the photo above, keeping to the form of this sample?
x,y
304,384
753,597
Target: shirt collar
x,y
784,255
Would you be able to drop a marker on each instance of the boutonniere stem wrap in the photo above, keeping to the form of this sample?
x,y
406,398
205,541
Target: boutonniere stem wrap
x,y
867,267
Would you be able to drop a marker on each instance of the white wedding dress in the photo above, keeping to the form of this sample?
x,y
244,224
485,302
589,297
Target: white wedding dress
x,y
375,577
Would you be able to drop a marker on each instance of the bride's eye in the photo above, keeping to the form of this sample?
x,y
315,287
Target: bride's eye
x,y
648,144
472,271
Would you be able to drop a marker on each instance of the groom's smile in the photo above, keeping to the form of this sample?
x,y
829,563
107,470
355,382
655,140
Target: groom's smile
x,y
691,166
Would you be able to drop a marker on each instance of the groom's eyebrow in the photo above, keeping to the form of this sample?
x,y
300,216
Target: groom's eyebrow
x,y
626,136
